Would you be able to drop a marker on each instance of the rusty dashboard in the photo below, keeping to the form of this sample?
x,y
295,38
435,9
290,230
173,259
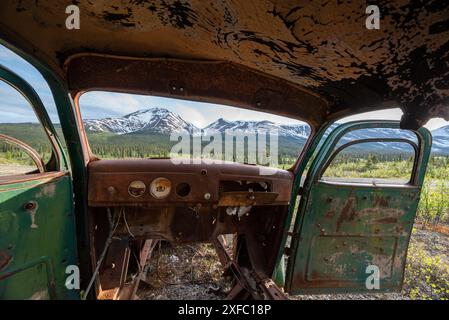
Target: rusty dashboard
x,y
141,182
162,199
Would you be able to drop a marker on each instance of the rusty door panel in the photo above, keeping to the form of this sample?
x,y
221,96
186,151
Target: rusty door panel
x,y
350,228
343,228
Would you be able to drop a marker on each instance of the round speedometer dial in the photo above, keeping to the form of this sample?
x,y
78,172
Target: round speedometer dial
x,y
160,188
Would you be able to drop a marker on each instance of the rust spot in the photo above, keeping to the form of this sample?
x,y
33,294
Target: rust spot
x,y
386,220
314,275
380,202
6,275
330,214
347,213
5,259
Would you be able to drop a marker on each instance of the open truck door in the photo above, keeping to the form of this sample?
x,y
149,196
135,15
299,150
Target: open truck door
x,y
37,223
353,236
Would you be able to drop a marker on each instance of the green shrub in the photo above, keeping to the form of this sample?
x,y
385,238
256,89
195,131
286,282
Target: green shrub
x,y
426,276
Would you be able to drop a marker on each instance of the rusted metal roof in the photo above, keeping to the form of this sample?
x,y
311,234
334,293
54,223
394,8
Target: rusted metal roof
x,y
322,47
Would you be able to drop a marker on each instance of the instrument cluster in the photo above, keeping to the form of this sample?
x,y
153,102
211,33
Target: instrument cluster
x,y
159,188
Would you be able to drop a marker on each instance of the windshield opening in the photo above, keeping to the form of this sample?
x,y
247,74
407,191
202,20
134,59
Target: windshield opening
x,y
124,126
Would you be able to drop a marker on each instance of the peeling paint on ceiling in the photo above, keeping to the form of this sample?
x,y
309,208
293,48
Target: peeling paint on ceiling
x,y
320,45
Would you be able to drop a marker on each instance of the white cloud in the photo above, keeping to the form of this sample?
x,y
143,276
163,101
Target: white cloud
x,y
101,104
436,123
387,114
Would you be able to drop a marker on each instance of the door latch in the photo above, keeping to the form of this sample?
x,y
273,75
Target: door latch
x,y
31,208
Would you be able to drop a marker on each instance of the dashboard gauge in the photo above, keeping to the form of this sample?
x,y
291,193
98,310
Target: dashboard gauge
x,y
136,188
160,188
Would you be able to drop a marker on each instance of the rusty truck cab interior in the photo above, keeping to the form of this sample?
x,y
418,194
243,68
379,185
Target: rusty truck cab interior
x,y
316,63
188,202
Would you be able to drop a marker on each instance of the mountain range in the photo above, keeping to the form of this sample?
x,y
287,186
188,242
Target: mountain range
x,y
154,120
161,122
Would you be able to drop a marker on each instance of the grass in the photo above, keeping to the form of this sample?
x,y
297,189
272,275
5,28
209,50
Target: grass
x,y
366,168
426,274
15,158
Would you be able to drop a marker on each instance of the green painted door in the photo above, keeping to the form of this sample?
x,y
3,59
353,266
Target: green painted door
x,y
37,225
352,235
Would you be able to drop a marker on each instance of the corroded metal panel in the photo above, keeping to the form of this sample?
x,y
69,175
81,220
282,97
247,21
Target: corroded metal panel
x,y
347,229
342,229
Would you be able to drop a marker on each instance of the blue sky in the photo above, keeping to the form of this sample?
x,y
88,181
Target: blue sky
x,y
97,105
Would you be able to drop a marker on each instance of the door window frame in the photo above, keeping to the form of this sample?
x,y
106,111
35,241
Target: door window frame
x,y
339,149
24,88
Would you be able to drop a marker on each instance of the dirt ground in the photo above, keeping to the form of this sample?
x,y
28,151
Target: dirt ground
x,y
11,169
183,272
434,243
194,272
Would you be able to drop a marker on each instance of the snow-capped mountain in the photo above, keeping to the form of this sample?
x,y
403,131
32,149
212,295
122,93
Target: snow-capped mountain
x,y
382,147
154,120
299,131
163,121
440,142
159,120
440,139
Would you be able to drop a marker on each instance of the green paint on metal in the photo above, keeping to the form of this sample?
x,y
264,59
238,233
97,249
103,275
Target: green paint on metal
x,y
34,260
346,229
341,229
35,248
309,152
